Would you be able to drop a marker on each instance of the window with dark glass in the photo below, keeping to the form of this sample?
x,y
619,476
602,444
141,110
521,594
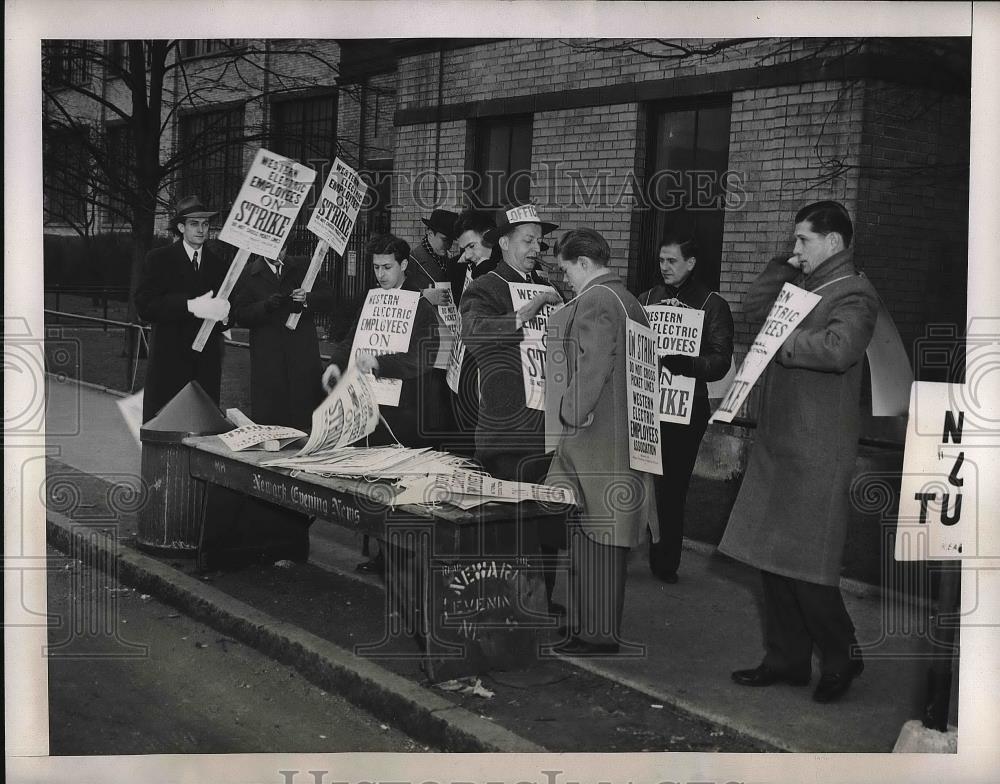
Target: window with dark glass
x,y
502,161
66,62
66,175
212,150
686,180
203,47
120,169
305,130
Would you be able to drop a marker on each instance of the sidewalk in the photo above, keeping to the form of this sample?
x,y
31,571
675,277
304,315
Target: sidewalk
x,y
694,632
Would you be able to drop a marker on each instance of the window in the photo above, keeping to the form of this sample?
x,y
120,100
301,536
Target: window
x,y
212,152
502,162
66,62
686,178
117,54
203,47
305,130
120,173
66,175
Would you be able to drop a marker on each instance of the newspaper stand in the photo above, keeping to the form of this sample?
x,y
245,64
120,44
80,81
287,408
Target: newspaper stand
x,y
465,584
169,521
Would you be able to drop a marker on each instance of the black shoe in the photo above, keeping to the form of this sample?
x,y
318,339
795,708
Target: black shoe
x,y
577,647
557,610
667,577
374,566
833,685
765,676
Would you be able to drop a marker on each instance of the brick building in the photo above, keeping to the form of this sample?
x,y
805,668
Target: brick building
x,y
725,138
728,144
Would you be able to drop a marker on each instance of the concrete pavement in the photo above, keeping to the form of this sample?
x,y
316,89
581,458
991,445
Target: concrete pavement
x,y
694,632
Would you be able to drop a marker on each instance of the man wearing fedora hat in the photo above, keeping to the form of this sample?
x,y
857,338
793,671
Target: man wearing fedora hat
x,y
428,271
429,262
175,292
510,437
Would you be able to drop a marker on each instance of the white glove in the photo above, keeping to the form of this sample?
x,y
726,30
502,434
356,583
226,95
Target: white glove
x,y
330,378
199,306
208,307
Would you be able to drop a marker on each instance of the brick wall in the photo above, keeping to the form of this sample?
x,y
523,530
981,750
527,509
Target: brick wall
x,y
427,168
789,146
503,69
913,201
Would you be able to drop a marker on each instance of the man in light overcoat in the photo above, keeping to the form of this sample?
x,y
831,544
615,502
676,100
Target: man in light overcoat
x,y
587,420
790,518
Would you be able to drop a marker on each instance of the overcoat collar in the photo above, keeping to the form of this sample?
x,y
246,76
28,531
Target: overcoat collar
x,y
839,265
511,275
260,266
605,278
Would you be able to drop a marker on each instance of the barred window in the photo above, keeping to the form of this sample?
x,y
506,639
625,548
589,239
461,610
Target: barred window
x,y
213,150
66,62
120,173
203,47
66,175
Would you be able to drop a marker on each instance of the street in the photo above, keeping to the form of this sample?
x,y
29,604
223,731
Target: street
x,y
130,675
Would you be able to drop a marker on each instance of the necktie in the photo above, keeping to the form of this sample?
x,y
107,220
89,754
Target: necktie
x,y
468,277
278,266
194,260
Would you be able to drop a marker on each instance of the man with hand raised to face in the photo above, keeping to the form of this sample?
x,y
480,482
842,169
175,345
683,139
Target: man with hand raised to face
x,y
678,257
790,518
175,293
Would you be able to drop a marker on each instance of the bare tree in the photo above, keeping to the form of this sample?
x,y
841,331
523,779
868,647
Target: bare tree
x,y
110,112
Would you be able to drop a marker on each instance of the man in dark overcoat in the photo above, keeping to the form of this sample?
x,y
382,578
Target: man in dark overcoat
x,y
510,437
587,414
285,365
175,292
790,518
678,257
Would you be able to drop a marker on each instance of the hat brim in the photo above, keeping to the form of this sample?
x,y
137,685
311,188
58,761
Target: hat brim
x,y
199,214
438,229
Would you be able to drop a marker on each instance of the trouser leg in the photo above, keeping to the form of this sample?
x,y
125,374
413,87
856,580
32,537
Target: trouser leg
x,y
597,587
786,639
679,449
828,623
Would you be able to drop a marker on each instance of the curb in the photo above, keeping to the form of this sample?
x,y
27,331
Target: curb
x,y
413,709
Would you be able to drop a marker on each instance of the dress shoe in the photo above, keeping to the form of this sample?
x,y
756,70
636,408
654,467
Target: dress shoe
x,y
374,566
577,647
765,676
833,685
666,577
557,610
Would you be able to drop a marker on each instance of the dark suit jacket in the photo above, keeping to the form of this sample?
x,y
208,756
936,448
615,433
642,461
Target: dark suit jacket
x,y
168,280
285,367
508,433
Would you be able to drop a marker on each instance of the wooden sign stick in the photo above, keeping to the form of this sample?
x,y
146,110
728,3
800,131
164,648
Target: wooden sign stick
x,y
310,279
228,283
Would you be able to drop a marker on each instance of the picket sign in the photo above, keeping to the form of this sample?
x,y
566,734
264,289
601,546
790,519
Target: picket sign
x,y
261,218
228,284
790,308
315,265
